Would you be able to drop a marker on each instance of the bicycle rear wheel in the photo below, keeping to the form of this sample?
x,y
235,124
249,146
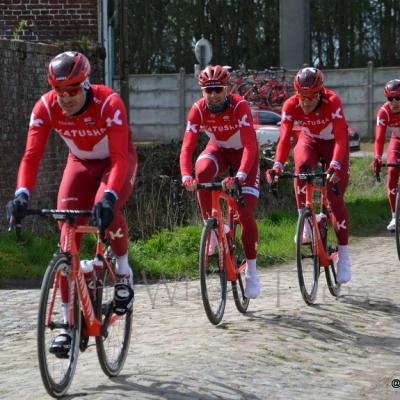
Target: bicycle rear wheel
x,y
397,228
112,347
238,286
57,373
212,275
307,257
331,271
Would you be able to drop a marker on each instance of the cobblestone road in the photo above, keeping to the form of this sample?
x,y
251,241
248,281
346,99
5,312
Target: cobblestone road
x,y
282,349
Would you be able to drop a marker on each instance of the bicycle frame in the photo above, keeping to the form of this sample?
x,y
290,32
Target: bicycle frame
x,y
217,197
324,258
92,325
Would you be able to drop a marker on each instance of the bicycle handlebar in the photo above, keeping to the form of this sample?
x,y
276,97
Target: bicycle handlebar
x,y
69,215
309,176
236,193
377,170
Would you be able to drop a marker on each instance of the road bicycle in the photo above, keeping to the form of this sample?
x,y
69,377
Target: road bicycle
x,y
320,250
225,262
397,207
90,306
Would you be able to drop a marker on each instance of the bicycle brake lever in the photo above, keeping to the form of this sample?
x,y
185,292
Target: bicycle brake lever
x,y
377,172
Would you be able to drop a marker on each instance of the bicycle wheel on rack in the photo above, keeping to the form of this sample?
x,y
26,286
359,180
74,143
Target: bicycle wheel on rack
x,y
331,249
397,228
212,273
238,286
307,257
56,372
112,347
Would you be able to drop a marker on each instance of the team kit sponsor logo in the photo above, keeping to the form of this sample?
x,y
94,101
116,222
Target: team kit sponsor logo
x,y
74,133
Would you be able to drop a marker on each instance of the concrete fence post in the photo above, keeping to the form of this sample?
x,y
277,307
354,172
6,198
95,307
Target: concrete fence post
x,y
370,99
182,100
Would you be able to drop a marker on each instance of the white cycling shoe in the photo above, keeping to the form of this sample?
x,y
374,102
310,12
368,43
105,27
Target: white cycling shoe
x,y
343,265
252,289
392,225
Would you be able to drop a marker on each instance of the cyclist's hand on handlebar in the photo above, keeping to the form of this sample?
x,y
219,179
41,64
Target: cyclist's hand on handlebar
x,y
228,183
189,183
16,209
333,174
103,211
376,166
272,175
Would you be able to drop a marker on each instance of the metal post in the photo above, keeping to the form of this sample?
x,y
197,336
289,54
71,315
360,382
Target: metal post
x,y
124,54
370,100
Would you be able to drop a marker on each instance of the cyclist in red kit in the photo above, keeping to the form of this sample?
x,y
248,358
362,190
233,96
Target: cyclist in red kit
x,y
389,117
226,120
100,170
323,133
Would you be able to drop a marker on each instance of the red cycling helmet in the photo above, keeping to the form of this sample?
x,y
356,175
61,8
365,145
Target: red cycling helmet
x,y
392,88
308,80
68,68
214,75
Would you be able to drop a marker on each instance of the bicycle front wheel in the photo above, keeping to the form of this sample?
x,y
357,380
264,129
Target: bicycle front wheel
x,y
57,372
397,228
113,345
331,271
307,256
238,286
212,273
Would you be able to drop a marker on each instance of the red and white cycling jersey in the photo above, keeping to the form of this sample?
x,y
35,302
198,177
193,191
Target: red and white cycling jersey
x,y
327,122
98,133
386,118
232,129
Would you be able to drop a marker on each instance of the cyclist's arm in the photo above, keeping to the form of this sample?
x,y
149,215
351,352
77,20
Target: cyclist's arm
x,y
39,129
380,132
189,141
116,121
284,144
340,133
247,137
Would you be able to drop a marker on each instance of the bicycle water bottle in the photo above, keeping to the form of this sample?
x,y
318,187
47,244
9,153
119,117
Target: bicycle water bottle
x,y
321,220
87,269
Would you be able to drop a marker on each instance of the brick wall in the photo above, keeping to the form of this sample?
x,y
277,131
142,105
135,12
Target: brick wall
x,y
23,72
48,20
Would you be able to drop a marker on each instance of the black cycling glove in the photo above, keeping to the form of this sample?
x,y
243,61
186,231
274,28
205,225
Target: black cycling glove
x,y
103,211
17,208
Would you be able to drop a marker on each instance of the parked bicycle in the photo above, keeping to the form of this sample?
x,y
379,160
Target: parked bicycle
x,y
397,207
320,249
90,306
221,258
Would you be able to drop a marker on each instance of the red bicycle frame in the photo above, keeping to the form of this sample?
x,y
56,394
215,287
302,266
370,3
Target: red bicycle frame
x,y
324,258
92,324
216,212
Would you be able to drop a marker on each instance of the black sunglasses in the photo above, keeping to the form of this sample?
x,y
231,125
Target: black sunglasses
x,y
397,98
216,89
